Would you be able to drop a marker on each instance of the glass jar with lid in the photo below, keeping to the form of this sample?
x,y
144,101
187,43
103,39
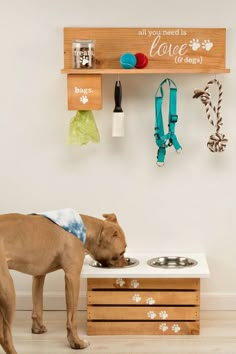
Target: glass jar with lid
x,y
83,53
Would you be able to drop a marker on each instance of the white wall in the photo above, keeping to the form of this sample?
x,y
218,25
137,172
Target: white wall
x,y
187,206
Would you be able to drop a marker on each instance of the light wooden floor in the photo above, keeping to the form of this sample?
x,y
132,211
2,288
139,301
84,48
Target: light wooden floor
x,y
218,336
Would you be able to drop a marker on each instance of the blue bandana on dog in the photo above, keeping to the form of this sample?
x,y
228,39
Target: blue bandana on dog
x,y
69,220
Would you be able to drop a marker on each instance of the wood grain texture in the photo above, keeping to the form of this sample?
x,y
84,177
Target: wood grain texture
x,y
142,328
132,302
191,49
144,283
145,71
84,92
143,298
147,313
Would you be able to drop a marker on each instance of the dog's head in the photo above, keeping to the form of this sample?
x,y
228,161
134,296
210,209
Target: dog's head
x,y
110,243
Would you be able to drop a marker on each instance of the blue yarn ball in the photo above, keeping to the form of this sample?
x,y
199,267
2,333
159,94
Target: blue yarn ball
x,y
128,60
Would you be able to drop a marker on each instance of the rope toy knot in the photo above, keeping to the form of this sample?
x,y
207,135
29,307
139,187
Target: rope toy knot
x,y
204,96
217,142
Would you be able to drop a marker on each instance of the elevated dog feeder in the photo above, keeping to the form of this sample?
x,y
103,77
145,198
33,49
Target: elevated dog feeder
x,y
159,295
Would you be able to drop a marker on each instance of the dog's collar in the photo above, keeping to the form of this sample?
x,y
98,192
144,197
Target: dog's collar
x,y
69,220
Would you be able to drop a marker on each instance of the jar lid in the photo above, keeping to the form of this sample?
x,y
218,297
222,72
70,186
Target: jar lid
x,y
84,42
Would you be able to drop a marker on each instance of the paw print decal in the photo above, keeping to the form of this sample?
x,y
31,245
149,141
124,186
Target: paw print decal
x,y
84,99
120,282
150,301
207,45
84,60
134,284
194,44
152,315
163,327
175,328
163,314
136,298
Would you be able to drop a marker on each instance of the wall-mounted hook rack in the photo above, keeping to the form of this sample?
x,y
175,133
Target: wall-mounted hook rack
x,y
169,51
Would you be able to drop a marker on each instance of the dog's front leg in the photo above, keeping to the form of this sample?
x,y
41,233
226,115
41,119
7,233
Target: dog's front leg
x,y
72,284
37,297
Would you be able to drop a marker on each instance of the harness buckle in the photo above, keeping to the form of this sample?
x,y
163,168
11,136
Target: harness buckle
x,y
173,118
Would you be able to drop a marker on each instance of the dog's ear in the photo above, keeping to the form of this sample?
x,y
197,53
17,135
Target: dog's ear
x,y
110,217
106,235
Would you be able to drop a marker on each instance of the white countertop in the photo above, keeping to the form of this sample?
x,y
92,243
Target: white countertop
x,y
143,270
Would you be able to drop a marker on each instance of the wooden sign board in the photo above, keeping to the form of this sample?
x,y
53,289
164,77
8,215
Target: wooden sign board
x,y
84,92
166,48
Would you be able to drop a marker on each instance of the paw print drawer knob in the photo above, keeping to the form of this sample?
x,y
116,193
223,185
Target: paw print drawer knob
x,y
84,92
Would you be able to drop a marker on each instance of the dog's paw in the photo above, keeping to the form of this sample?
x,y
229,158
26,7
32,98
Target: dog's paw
x,y
86,343
39,329
83,343
79,344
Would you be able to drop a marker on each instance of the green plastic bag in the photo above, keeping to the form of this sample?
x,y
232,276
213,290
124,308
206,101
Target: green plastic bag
x,y
83,129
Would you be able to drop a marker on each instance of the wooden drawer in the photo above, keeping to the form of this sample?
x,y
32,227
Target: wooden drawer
x,y
143,306
142,328
144,283
143,297
147,313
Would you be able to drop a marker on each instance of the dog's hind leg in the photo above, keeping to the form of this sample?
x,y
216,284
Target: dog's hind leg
x,y
37,297
7,305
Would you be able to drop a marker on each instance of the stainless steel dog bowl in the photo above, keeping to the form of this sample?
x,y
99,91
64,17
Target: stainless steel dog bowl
x,y
172,262
131,262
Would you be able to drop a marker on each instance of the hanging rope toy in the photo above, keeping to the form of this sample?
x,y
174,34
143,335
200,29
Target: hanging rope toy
x,y
217,142
163,140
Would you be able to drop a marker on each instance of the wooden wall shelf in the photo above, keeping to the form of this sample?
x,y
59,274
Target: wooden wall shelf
x,y
143,71
169,51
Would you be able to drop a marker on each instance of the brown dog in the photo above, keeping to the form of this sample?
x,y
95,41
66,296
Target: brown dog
x,y
34,245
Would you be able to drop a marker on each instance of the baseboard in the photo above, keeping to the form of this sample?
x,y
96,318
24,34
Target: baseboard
x,y
56,301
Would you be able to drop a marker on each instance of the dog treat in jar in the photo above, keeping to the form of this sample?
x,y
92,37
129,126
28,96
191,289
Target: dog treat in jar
x,y
83,53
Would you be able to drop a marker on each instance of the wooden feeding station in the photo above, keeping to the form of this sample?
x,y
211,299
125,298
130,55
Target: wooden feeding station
x,y
144,299
169,51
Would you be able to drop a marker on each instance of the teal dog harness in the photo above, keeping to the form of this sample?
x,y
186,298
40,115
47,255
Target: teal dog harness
x,y
163,140
69,220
